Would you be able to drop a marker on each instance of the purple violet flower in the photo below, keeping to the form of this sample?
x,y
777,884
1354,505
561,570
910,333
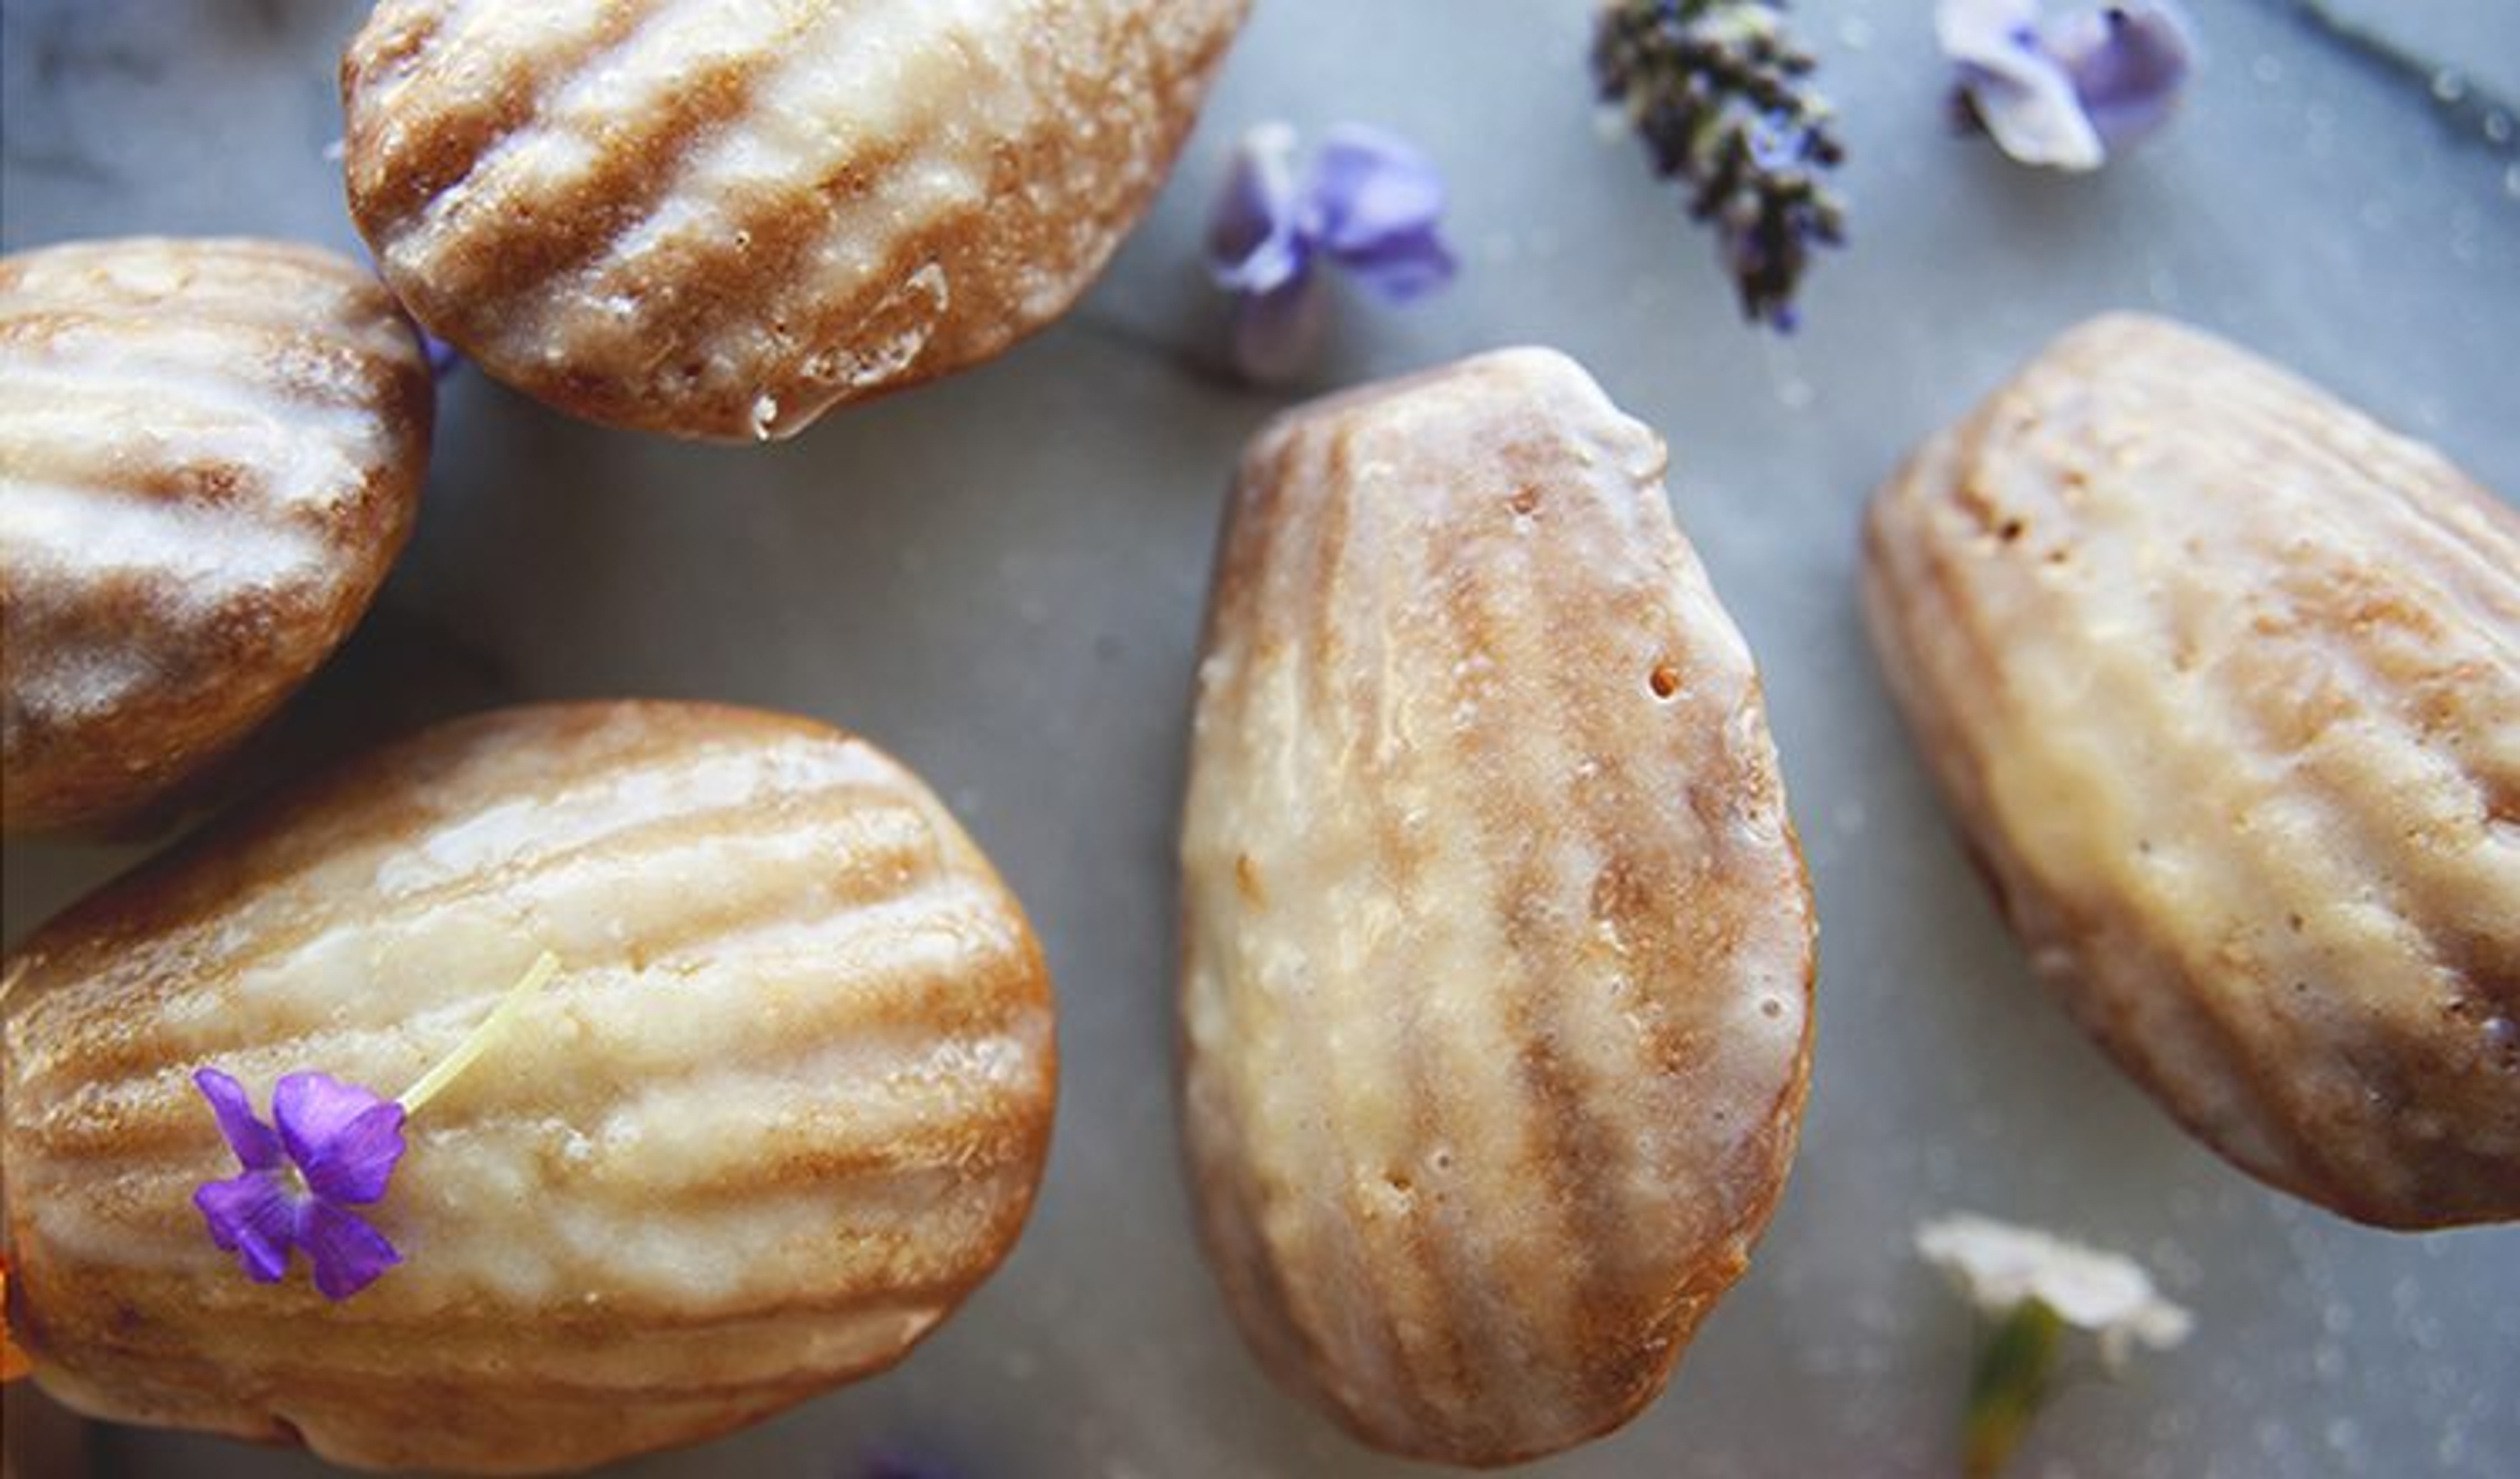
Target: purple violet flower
x,y
444,358
331,1146
2063,92
334,1147
1368,202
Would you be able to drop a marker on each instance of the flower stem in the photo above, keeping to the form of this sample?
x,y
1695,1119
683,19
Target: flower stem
x,y
2010,1385
536,976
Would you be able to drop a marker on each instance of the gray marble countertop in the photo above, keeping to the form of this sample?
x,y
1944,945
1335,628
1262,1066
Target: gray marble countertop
x,y
998,579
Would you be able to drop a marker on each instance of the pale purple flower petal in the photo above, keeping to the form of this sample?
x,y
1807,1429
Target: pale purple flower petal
x,y
1253,245
1400,268
2023,96
2063,92
356,1164
1369,202
256,1147
2129,63
1368,187
253,1217
344,1140
2034,117
347,1254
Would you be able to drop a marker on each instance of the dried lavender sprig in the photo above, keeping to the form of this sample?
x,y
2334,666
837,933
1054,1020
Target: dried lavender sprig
x,y
1721,97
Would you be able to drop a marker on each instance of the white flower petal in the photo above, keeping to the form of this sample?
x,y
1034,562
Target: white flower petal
x,y
1998,1265
2024,93
2033,116
1983,31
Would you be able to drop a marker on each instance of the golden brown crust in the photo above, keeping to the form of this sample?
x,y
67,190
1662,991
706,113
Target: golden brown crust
x,y
1498,946
2223,682
785,1106
210,453
720,221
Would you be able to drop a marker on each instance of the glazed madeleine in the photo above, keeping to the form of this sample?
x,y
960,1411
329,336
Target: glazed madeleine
x,y
720,219
1498,946
210,453
784,1106
2223,682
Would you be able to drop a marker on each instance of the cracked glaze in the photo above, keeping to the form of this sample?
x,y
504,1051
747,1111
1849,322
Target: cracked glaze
x,y
783,1107
210,453
2222,680
720,219
1495,986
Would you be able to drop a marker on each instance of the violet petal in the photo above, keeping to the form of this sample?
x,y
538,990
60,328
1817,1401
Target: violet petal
x,y
355,1166
347,1254
1274,332
2032,114
1366,188
256,1147
1252,242
2023,95
2129,63
344,1138
253,1217
1399,268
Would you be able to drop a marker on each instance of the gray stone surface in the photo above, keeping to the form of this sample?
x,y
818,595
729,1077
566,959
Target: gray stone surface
x,y
2470,43
1000,578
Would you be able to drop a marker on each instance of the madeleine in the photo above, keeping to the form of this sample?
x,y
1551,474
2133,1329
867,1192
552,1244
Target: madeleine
x,y
1498,946
2222,683
784,1106
210,453
719,220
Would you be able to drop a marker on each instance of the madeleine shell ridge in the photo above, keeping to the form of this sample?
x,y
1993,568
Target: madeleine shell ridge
x,y
2221,680
210,453
1498,945
785,1105
718,221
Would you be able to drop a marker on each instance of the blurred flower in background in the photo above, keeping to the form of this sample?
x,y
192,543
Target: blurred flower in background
x,y
2066,91
1723,99
2033,1287
1368,202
